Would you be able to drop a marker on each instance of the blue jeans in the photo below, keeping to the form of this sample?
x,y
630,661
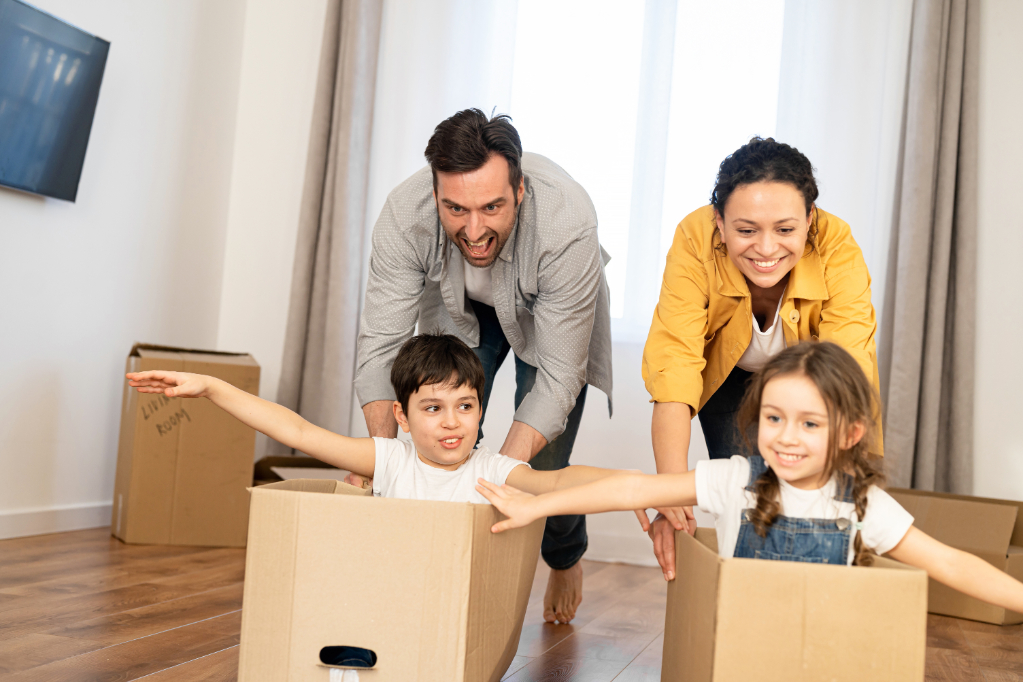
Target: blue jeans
x,y
718,417
564,538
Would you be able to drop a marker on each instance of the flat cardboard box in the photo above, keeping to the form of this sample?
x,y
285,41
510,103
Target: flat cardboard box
x,y
735,620
424,585
184,465
989,528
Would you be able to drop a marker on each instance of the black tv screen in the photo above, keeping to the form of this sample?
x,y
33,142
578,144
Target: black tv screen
x,y
50,73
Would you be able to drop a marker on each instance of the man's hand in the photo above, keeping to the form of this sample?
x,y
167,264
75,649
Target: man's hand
x,y
523,442
171,384
662,532
518,506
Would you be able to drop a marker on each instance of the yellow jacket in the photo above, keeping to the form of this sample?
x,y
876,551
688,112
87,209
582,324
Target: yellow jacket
x,y
703,322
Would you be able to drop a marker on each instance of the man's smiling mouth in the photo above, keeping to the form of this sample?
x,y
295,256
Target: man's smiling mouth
x,y
480,248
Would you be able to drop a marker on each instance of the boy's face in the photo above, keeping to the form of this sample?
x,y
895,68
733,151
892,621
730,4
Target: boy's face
x,y
443,420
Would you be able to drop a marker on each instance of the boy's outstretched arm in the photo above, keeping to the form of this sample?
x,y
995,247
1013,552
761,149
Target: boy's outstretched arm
x,y
623,491
354,454
959,570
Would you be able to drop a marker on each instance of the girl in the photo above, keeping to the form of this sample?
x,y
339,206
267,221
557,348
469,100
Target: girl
x,y
811,494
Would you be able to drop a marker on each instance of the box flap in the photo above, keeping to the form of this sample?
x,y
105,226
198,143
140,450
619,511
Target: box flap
x,y
981,528
317,485
1017,533
690,620
151,349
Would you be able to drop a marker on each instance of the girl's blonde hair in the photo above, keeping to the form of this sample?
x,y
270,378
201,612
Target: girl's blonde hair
x,y
850,399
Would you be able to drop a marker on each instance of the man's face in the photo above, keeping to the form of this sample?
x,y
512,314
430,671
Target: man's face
x,y
444,421
478,209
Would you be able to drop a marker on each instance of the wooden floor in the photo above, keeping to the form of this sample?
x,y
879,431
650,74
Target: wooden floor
x,y
84,607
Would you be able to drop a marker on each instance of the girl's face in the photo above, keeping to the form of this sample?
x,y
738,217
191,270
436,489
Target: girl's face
x,y
764,229
793,430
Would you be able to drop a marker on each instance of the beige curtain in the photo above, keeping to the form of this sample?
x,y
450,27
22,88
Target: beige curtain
x,y
927,343
319,350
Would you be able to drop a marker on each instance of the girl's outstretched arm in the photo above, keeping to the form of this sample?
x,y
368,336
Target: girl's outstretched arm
x,y
621,492
959,570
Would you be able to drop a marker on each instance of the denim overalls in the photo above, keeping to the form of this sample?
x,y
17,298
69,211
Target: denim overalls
x,y
819,541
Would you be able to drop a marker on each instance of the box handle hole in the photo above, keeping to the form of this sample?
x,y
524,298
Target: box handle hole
x,y
348,656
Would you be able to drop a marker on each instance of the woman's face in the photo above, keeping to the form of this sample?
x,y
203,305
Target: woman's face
x,y
764,229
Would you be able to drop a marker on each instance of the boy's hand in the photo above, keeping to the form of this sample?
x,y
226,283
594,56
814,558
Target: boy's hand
x,y
171,384
512,502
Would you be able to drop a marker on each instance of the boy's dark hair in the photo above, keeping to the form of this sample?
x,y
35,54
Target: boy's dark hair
x,y
465,141
435,359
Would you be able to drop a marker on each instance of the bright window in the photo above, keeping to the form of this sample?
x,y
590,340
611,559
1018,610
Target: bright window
x,y
640,106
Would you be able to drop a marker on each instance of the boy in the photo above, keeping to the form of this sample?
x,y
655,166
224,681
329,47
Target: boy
x,y
438,381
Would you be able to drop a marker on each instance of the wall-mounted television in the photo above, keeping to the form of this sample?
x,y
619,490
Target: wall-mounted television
x,y
50,73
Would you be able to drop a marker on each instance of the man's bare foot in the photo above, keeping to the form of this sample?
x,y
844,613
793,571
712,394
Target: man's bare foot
x,y
564,594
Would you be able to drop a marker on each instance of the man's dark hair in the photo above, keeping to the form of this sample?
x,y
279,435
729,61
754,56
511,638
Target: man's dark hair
x,y
435,359
464,142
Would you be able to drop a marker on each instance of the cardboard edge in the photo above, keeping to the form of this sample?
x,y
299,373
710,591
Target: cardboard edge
x,y
140,346
265,589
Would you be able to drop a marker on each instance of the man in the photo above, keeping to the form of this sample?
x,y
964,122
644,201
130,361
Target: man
x,y
498,248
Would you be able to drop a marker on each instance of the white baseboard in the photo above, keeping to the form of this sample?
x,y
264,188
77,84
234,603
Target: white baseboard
x,y
621,549
18,523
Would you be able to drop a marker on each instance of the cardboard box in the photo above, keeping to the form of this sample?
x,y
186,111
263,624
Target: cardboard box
x,y
735,620
424,585
183,464
987,527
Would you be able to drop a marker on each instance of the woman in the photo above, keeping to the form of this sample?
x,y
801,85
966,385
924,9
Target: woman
x,y
759,269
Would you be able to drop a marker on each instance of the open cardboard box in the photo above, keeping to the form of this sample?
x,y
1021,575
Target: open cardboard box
x,y
183,465
423,585
735,620
990,528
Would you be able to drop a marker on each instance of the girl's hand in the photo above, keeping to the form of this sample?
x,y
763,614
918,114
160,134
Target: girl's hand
x,y
512,502
171,384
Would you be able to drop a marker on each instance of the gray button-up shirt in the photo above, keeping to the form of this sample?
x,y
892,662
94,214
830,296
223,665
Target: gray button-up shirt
x,y
549,289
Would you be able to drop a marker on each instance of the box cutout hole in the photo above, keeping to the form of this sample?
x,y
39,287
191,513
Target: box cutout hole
x,y
348,656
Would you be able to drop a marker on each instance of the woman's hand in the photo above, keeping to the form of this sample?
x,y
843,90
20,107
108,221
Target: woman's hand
x,y
171,384
519,507
662,532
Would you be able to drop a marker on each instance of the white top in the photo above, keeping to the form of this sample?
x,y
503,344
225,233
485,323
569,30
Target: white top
x,y
764,345
721,491
479,283
399,473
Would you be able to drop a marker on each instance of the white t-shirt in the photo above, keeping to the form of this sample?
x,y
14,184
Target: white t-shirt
x,y
763,345
399,473
721,491
479,283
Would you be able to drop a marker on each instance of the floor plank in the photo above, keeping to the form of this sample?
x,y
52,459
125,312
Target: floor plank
x,y
221,666
140,657
39,649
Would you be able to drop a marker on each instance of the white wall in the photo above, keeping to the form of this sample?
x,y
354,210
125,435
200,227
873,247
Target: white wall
x,y
139,257
275,104
998,447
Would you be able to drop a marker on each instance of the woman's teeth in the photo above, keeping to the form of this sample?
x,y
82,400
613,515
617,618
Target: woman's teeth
x,y
451,441
766,263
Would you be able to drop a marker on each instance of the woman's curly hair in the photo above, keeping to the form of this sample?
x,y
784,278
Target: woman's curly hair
x,y
765,160
850,399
